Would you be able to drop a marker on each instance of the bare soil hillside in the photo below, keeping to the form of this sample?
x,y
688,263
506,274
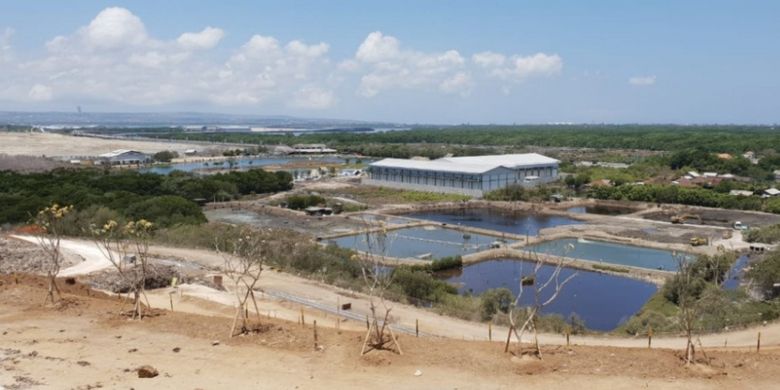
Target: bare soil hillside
x,y
84,343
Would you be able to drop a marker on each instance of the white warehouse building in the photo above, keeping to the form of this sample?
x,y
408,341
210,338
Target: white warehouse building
x,y
472,176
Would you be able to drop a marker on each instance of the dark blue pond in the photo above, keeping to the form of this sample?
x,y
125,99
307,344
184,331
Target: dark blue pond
x,y
419,241
601,210
736,273
239,163
602,301
609,252
496,219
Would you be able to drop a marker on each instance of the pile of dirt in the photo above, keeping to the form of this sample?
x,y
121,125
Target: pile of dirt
x,y
20,256
157,276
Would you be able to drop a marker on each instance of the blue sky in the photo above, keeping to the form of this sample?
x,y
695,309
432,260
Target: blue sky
x,y
406,61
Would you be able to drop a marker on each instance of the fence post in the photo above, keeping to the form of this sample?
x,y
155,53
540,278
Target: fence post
x,y
416,327
508,337
649,336
303,319
490,331
758,343
315,335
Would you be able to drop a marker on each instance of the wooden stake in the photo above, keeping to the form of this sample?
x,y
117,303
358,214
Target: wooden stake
x,y
316,345
367,325
303,319
416,327
170,297
758,343
649,336
395,340
508,337
567,338
490,331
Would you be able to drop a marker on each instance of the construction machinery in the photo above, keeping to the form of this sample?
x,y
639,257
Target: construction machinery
x,y
698,241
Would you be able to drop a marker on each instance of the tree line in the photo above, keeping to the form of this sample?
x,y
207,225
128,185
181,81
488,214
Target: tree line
x,y
164,200
711,138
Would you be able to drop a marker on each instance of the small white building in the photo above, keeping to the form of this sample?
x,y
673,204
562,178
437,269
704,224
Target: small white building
x,y
125,157
772,192
740,193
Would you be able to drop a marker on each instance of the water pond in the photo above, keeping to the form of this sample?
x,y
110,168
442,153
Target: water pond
x,y
418,242
522,223
602,301
736,273
608,252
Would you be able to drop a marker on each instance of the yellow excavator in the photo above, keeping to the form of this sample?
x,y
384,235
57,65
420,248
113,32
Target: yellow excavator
x,y
698,241
682,218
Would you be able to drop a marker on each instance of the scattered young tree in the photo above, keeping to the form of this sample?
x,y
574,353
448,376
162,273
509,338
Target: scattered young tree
x,y
687,290
127,249
543,292
243,265
50,227
377,280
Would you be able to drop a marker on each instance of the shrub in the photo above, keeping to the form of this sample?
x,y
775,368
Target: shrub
x,y
766,273
300,202
494,300
165,156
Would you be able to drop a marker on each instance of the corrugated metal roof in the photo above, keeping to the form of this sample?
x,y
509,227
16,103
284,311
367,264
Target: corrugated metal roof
x,y
506,160
476,164
118,152
434,165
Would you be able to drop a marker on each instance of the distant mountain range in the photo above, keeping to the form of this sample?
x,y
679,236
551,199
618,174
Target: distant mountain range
x,y
156,119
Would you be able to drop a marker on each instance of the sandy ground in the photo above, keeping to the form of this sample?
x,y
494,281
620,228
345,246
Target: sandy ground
x,y
83,343
39,144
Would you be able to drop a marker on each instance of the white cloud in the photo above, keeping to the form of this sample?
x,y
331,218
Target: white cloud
x,y
460,83
299,48
537,64
114,27
313,98
389,66
206,39
488,59
642,81
40,92
378,47
520,68
112,59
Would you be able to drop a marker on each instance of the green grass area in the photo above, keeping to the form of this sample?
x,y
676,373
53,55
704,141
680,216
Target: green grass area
x,y
381,195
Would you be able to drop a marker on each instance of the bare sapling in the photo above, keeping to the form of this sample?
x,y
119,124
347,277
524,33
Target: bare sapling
x,y
687,302
127,249
50,226
244,255
377,279
543,292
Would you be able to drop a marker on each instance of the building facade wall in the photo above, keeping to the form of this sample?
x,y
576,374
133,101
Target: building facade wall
x,y
456,182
